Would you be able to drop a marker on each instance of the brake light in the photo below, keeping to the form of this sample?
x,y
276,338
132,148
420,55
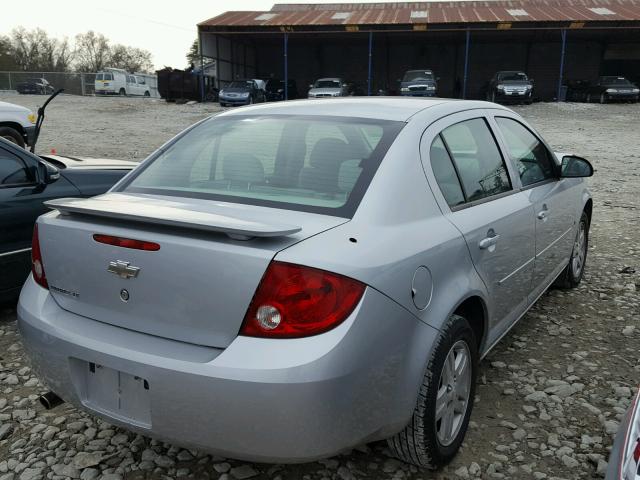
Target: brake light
x,y
126,242
293,301
37,267
636,452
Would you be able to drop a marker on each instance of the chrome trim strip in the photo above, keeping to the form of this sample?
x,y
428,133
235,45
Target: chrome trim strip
x,y
6,254
553,243
516,270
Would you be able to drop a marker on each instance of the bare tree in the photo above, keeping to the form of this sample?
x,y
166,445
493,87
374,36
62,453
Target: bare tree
x,y
92,51
130,58
7,61
34,50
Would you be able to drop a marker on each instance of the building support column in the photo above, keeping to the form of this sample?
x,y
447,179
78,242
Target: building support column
x,y
562,52
200,49
466,63
370,63
286,66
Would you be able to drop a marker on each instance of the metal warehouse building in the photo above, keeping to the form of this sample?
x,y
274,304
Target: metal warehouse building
x,y
464,43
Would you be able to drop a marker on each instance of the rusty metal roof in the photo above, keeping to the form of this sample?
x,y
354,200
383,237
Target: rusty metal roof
x,y
407,13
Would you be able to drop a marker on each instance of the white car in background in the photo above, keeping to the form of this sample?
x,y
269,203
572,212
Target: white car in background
x,y
17,124
115,81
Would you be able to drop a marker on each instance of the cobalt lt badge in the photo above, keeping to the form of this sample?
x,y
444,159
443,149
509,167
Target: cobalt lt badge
x,y
124,295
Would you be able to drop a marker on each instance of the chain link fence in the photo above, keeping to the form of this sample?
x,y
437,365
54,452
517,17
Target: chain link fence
x,y
73,83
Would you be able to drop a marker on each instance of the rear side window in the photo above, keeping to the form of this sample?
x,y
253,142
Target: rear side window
x,y
445,173
308,163
532,158
99,76
478,160
12,170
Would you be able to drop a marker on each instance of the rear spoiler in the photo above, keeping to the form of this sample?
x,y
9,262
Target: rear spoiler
x,y
147,212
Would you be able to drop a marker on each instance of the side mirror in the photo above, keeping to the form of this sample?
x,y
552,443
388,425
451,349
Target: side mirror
x,y
48,173
345,85
311,86
575,167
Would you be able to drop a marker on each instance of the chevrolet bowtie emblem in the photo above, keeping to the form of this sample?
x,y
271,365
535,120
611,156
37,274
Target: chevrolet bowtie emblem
x,y
123,269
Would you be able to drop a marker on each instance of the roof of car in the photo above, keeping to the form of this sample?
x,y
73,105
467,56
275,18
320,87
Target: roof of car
x,y
382,108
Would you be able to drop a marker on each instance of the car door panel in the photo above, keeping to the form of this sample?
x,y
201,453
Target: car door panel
x,y
551,198
499,237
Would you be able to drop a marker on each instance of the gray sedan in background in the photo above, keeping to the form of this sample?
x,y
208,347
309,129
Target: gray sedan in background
x,y
285,281
328,87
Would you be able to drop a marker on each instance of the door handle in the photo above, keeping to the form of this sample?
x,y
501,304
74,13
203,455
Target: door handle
x,y
488,242
543,214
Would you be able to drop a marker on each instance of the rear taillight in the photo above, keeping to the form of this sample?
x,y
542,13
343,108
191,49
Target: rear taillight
x,y
636,451
293,301
37,267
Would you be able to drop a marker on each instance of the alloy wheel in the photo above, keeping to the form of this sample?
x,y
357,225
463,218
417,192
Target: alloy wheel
x,y
579,250
452,399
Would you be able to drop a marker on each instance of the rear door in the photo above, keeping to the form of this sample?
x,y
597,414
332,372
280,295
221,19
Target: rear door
x,y
553,199
475,189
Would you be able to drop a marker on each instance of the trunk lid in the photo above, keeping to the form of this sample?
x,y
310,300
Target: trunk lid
x,y
196,288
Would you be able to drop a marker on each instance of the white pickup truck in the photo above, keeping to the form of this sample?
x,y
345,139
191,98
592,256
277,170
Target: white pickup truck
x,y
17,124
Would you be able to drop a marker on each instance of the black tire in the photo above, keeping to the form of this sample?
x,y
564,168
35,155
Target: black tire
x,y
12,135
147,94
419,442
571,276
122,92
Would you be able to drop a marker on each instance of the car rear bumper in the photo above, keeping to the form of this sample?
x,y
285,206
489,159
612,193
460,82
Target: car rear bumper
x,y
259,400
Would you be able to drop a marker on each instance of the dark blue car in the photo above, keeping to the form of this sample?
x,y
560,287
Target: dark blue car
x,y
26,181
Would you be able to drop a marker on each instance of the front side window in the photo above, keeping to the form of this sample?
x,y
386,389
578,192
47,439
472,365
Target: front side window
x,y
12,170
306,163
480,165
533,160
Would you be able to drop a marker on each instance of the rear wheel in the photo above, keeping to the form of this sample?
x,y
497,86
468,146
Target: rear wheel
x,y
571,276
147,94
12,135
122,92
441,416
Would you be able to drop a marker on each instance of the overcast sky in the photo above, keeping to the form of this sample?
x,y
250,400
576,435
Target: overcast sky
x,y
164,27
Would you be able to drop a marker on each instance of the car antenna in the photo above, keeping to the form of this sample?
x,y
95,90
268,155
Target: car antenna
x,y
40,118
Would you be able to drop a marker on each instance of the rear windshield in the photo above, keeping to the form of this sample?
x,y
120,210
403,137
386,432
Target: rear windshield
x,y
414,75
307,163
104,76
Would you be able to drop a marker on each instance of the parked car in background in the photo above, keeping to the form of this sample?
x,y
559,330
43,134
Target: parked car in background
x,y
327,273
241,92
419,83
17,124
28,180
36,86
624,460
612,89
510,87
329,87
275,90
115,81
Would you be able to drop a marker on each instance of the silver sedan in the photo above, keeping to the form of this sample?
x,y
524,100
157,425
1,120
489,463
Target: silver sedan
x,y
285,281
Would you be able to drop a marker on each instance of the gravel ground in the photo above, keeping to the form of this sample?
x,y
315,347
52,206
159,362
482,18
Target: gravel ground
x,y
551,394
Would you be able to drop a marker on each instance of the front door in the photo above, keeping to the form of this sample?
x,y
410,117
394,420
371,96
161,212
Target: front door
x,y
495,219
552,200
